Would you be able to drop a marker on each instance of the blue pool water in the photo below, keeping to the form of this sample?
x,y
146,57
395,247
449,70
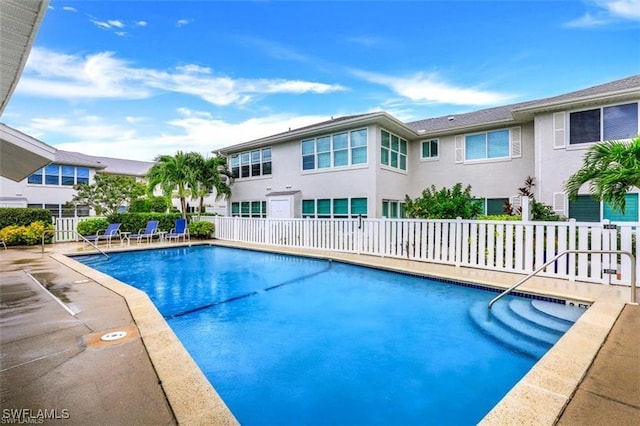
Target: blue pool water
x,y
290,340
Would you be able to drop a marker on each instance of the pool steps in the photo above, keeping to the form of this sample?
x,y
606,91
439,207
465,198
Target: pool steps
x,y
527,326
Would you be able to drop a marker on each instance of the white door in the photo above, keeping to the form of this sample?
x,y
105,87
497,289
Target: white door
x,y
280,208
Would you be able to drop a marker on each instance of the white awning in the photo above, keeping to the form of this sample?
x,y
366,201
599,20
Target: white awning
x,y
21,155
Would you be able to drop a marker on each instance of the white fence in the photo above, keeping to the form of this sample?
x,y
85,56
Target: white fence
x,y
518,247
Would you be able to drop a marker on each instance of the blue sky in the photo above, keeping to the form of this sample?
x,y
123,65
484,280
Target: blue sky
x,y
134,79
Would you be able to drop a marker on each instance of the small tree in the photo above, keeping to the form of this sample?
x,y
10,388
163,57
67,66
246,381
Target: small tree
x,y
611,168
209,174
175,176
443,204
108,193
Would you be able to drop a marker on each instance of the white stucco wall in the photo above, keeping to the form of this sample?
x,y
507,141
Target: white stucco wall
x,y
488,179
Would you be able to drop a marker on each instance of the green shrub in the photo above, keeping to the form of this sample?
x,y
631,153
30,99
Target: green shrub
x,y
92,226
201,229
443,204
133,222
18,235
23,216
151,204
500,217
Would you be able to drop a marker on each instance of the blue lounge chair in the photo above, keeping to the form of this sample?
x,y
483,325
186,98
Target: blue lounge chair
x,y
181,230
113,230
148,233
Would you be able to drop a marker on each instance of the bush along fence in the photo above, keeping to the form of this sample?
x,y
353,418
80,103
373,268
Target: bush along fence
x,y
507,246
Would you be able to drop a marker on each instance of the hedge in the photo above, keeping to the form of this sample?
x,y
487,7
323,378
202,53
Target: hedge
x,y
23,216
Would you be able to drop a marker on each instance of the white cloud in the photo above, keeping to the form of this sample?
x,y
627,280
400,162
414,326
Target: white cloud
x,y
53,75
115,23
183,22
141,23
102,75
625,9
423,87
101,24
190,130
69,9
608,12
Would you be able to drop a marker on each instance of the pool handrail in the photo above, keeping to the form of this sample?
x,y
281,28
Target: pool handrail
x,y
565,252
77,234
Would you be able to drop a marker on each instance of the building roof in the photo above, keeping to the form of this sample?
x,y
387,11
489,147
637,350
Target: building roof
x,y
117,166
512,114
506,115
333,125
19,24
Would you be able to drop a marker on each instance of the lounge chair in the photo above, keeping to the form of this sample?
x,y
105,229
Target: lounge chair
x,y
181,230
148,233
113,230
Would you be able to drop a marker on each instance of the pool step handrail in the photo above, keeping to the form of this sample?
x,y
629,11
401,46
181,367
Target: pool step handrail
x,y
78,235
565,252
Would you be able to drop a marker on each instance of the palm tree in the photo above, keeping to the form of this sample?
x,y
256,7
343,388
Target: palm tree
x,y
210,174
612,168
175,177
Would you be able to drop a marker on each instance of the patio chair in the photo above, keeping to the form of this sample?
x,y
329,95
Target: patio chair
x,y
181,230
147,233
113,230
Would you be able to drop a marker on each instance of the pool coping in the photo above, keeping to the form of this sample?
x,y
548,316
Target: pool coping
x,y
539,397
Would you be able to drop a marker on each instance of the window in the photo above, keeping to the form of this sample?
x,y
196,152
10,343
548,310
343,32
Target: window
x,y
487,145
359,207
68,175
392,209
337,150
52,174
82,175
601,124
249,209
630,210
337,208
393,151
251,163
430,148
36,178
586,209
340,208
495,206
55,174
66,210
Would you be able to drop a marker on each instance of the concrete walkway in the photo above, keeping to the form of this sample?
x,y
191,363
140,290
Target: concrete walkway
x,y
53,360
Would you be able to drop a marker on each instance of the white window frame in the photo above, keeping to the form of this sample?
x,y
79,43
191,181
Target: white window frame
x,y
431,157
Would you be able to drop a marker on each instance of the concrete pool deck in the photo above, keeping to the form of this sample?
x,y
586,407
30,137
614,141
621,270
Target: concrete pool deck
x,y
52,359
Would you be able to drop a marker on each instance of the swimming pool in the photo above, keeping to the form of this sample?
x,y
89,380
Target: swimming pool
x,y
290,340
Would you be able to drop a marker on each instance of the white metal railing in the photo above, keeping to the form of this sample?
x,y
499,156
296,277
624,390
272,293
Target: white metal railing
x,y
631,257
518,247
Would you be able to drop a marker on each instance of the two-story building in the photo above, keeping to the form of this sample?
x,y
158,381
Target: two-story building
x,y
366,164
51,187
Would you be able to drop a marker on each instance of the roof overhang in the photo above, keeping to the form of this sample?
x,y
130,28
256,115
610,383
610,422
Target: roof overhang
x,y
21,155
19,24
529,111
